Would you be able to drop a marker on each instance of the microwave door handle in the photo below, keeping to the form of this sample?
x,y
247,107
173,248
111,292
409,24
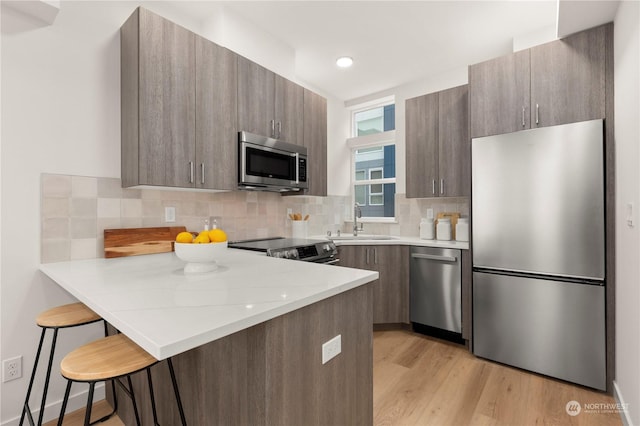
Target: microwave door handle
x,y
243,163
297,155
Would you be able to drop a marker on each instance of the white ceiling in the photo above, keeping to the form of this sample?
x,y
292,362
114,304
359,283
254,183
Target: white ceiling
x,y
392,42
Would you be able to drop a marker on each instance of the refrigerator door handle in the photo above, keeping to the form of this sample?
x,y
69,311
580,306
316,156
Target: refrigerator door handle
x,y
434,257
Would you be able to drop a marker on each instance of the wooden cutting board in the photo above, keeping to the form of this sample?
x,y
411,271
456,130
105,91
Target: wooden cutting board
x,y
453,216
135,241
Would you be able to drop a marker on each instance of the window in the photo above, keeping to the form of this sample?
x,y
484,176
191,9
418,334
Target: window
x,y
373,161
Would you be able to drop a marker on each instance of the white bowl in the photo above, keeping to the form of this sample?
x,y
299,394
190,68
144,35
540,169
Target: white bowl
x,y
200,257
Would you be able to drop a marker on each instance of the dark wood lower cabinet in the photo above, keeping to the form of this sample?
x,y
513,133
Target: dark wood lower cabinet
x,y
272,373
391,290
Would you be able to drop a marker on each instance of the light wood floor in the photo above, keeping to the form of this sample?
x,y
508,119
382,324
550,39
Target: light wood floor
x,y
421,381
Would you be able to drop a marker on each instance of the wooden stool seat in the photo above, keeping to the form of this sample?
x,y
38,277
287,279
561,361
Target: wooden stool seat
x,y
54,319
70,315
112,358
107,358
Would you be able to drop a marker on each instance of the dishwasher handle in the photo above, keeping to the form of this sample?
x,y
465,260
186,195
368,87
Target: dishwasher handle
x,y
434,257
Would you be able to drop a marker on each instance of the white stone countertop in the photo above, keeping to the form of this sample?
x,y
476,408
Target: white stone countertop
x,y
152,301
369,239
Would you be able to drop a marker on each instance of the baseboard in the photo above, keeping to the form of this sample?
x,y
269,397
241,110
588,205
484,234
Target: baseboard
x,y
624,414
52,410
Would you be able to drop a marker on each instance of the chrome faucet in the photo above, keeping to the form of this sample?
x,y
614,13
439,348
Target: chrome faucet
x,y
357,212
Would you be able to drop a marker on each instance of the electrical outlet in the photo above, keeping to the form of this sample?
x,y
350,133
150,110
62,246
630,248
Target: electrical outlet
x,y
331,348
429,213
12,369
169,214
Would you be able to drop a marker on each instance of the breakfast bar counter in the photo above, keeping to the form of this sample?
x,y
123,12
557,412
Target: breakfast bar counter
x,y
246,339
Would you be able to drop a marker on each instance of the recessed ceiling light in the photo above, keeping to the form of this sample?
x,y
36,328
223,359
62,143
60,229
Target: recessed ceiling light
x,y
344,61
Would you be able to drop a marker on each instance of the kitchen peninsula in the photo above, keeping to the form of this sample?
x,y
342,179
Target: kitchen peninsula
x,y
246,339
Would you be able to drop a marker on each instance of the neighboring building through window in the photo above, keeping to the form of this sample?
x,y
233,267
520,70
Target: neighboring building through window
x,y
374,162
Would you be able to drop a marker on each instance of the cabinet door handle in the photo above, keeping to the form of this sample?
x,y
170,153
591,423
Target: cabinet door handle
x,y
190,171
202,173
367,252
279,130
273,128
441,186
537,114
433,187
375,256
523,116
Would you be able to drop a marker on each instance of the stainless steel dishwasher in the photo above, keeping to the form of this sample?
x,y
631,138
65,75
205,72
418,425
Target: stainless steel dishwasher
x,y
435,285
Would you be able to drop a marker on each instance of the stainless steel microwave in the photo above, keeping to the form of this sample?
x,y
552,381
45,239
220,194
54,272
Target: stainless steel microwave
x,y
271,164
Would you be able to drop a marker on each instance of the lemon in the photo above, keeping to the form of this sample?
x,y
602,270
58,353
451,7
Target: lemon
x,y
184,237
217,236
202,238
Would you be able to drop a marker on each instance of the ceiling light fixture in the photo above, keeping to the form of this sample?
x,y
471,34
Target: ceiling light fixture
x,y
344,61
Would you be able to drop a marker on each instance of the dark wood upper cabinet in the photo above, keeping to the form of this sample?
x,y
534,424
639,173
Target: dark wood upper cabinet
x,y
268,104
555,83
499,95
568,79
437,144
184,99
158,102
315,140
421,130
454,145
216,113
289,110
178,107
256,98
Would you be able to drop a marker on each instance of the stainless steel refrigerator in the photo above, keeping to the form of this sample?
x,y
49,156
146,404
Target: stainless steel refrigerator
x,y
539,251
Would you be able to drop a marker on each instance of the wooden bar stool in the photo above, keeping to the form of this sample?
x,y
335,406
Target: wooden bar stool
x,y
66,316
112,358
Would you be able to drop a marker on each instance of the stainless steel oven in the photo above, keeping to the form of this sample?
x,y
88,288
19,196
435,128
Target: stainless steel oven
x,y
271,164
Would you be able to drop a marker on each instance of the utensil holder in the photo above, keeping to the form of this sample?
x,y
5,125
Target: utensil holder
x,y
299,229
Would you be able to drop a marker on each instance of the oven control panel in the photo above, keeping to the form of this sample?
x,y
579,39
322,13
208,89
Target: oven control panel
x,y
319,252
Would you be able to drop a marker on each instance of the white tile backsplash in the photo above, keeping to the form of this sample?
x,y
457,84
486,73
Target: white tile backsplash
x,y
75,211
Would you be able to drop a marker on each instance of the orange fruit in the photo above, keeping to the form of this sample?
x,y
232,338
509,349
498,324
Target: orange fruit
x,y
184,237
217,236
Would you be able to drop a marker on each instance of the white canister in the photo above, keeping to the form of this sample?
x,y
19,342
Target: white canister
x,y
462,229
426,229
443,230
299,228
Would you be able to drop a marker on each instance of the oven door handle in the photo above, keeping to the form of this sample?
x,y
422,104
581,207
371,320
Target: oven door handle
x,y
331,262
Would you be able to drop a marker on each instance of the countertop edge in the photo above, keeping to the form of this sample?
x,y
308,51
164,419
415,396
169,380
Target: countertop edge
x,y
394,240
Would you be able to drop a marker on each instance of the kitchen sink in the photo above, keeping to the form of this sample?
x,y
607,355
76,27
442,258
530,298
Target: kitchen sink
x,y
361,237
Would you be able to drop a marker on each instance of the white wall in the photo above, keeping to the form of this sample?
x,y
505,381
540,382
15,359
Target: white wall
x,y
627,133
61,114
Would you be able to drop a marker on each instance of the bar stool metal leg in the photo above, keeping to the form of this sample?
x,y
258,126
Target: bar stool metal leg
x,y
46,381
153,398
25,407
177,392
